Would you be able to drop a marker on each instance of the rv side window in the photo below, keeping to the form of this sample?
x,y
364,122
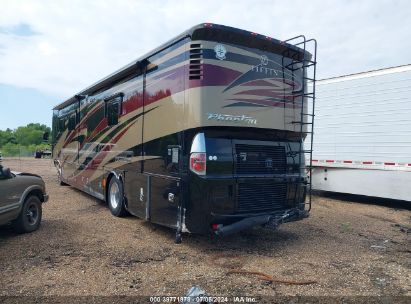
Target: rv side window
x,y
113,110
72,122
61,124
67,118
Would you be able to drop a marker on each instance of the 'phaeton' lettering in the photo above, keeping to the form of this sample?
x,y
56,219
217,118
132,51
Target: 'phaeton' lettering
x,y
233,118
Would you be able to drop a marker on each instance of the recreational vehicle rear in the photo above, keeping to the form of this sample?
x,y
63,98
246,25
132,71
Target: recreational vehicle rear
x,y
204,134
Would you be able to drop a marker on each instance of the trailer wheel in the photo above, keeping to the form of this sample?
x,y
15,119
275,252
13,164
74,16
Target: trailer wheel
x,y
115,197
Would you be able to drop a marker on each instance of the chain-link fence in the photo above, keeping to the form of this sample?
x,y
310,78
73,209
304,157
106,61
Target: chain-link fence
x,y
18,151
25,151
15,157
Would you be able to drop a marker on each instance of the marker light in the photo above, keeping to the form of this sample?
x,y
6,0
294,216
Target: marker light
x,y
214,227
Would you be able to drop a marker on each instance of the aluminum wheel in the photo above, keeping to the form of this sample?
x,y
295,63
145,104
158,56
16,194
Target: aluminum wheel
x,y
115,198
60,174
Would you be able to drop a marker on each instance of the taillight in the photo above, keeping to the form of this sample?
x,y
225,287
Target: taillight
x,y
198,163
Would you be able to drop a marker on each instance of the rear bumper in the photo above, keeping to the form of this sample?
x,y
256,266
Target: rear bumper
x,y
230,199
271,221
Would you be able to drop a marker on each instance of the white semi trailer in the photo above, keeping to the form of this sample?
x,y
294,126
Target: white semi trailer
x,y
362,134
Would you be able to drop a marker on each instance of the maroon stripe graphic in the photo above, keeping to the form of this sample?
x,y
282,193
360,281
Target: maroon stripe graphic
x,y
258,83
97,160
267,103
215,76
266,93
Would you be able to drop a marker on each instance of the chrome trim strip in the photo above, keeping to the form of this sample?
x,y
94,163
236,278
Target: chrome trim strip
x,y
162,176
9,207
198,145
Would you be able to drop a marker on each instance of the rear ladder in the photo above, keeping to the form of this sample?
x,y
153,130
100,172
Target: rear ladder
x,y
293,62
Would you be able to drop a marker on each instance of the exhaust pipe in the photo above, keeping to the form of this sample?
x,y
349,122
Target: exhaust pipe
x,y
242,225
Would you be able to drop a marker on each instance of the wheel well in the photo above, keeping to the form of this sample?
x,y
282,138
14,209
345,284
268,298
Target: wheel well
x,y
37,193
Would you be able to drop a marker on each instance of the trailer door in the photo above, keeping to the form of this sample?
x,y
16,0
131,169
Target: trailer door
x,y
69,151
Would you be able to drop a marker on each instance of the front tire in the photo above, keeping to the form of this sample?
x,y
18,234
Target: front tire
x,y
30,215
60,176
115,197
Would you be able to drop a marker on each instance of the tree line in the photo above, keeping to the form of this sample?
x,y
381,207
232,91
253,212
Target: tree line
x,y
24,140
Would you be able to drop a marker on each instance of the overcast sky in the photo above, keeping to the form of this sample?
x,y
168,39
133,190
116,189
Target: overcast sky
x,y
50,50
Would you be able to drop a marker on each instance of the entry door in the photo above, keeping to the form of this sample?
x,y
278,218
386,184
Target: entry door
x,y
163,119
70,150
135,183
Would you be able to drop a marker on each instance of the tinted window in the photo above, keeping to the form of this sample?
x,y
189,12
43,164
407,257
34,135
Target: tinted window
x,y
72,122
113,110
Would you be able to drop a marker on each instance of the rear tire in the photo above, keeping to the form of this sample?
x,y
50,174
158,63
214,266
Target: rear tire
x,y
115,197
30,215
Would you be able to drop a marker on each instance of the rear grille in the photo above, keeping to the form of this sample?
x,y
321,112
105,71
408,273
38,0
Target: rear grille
x,y
254,159
261,196
196,56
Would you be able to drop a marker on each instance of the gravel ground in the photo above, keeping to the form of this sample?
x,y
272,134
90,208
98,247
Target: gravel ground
x,y
348,248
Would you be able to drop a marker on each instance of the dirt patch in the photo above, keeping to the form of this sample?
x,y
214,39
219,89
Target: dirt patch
x,y
346,248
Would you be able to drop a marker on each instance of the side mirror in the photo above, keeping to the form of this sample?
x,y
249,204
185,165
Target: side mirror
x,y
7,173
45,136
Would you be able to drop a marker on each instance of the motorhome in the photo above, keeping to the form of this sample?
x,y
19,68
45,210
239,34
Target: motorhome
x,y
203,134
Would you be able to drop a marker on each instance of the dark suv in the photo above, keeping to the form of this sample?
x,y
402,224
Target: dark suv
x,y
21,198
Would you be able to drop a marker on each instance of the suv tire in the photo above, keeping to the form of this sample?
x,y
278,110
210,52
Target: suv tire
x,y
30,215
